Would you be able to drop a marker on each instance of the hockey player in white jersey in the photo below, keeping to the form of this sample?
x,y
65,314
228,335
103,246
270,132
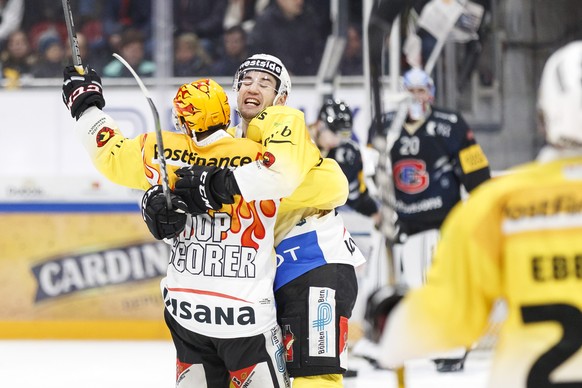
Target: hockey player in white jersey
x,y
218,290
315,285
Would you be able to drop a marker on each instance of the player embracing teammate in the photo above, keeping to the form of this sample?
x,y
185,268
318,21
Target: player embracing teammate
x,y
220,290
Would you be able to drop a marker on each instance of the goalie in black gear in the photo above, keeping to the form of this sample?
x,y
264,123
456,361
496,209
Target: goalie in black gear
x,y
434,157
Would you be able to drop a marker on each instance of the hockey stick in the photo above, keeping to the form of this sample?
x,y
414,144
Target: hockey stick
x,y
76,53
400,377
158,128
381,18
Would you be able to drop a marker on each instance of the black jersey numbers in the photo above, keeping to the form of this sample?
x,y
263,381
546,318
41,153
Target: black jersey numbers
x,y
570,318
409,146
280,136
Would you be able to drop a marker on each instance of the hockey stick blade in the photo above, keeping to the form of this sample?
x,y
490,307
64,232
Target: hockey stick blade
x,y
158,128
75,52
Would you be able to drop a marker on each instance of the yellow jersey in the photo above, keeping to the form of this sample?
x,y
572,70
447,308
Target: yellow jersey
x,y
517,238
308,233
297,172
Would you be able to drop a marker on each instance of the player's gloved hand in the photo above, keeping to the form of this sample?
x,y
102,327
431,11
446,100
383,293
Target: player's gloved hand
x,y
378,308
161,222
206,187
82,91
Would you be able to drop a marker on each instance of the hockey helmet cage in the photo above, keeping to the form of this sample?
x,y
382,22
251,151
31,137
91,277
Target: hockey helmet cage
x,y
418,78
560,96
201,106
268,64
337,116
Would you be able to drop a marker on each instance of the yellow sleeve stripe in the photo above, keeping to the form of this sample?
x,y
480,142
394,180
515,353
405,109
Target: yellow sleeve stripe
x,y
472,159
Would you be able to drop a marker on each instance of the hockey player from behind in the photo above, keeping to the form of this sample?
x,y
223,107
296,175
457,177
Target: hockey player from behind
x,y
218,291
315,286
517,237
434,156
332,133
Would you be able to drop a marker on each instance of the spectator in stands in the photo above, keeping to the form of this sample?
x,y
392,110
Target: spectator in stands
x,y
243,13
321,8
52,57
202,17
190,58
233,52
11,13
91,30
17,58
88,53
37,11
289,30
352,62
120,15
83,51
355,11
41,15
133,51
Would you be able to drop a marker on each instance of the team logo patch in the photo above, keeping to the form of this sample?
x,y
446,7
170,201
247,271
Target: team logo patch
x,y
103,136
268,159
410,176
322,328
472,159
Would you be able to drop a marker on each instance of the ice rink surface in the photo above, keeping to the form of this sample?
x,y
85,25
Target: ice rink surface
x,y
150,364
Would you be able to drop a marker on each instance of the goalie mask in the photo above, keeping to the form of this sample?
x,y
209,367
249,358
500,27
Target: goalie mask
x,y
413,80
201,106
268,64
560,96
337,116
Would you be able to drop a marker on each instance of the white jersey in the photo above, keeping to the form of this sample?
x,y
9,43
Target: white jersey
x,y
219,281
314,241
220,275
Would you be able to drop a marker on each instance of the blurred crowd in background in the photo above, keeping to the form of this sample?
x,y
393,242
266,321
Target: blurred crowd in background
x,y
211,37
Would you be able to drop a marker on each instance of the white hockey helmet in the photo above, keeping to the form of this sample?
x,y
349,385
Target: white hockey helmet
x,y
418,78
560,96
268,64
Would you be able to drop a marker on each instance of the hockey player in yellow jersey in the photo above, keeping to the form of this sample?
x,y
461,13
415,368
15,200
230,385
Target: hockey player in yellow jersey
x,y
315,284
218,292
518,238
116,157
320,274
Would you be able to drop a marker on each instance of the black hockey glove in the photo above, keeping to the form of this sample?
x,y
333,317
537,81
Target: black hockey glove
x,y
206,187
161,222
378,308
81,91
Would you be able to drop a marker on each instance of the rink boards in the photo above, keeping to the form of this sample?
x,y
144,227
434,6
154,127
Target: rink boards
x,y
73,270
85,270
